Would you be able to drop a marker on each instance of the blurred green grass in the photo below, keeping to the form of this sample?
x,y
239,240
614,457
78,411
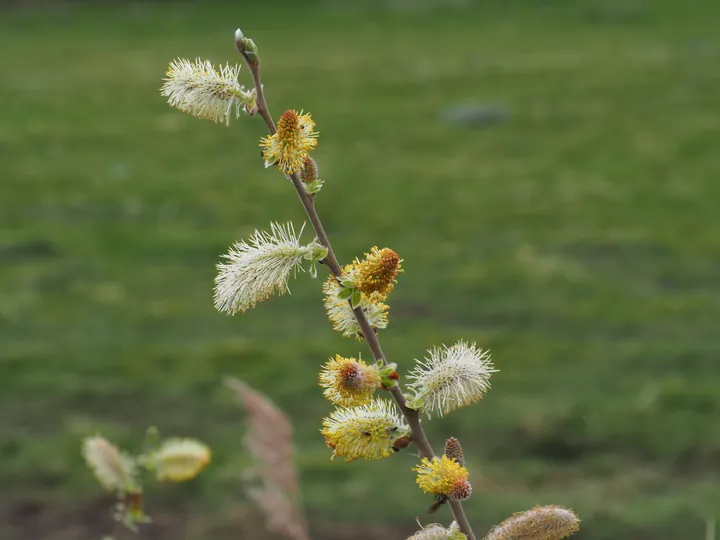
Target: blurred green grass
x,y
579,241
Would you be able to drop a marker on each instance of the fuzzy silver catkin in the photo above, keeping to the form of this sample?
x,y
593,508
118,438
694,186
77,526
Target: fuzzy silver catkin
x,y
539,523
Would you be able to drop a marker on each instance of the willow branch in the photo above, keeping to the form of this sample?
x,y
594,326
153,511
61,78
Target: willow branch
x,y
412,416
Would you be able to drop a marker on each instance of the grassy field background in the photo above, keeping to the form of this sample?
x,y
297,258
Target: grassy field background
x,y
579,240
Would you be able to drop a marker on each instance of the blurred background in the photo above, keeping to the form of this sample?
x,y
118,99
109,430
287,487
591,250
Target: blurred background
x,y
548,171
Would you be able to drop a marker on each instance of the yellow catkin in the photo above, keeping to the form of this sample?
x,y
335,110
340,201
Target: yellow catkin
x,y
348,382
178,460
377,272
341,315
368,431
289,147
444,477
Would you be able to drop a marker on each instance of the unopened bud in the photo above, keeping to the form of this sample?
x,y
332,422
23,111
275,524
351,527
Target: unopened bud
x,y
239,40
309,171
389,376
453,450
250,50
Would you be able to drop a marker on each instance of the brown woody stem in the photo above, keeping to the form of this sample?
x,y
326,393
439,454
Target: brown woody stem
x,y
413,418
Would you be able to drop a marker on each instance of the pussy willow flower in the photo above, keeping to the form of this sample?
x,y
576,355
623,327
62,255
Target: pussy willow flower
x,y
539,523
178,460
341,315
291,143
377,272
368,431
444,477
451,377
114,469
349,382
200,89
438,532
256,270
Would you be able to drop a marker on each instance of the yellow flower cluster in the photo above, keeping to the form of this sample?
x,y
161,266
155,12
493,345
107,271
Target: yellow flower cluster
x,y
370,281
444,477
291,144
349,382
377,272
341,315
178,460
368,431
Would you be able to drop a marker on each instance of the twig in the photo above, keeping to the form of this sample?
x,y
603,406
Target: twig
x,y
412,416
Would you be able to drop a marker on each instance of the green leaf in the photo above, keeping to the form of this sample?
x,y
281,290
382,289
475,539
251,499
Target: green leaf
x,y
356,298
347,282
314,186
315,251
345,294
